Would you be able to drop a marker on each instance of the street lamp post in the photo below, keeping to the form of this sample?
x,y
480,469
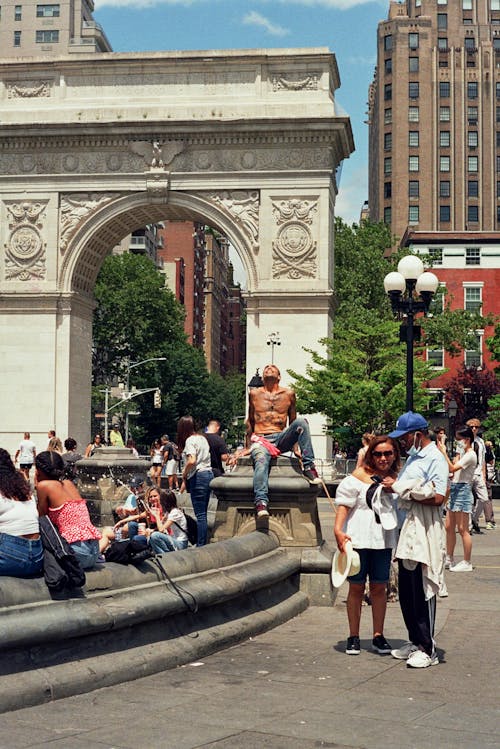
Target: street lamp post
x,y
132,366
273,339
410,290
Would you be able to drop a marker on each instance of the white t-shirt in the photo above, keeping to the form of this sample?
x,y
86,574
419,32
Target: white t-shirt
x,y
361,525
18,518
198,446
177,516
27,450
467,463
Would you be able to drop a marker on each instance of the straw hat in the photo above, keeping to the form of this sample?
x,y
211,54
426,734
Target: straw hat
x,y
344,564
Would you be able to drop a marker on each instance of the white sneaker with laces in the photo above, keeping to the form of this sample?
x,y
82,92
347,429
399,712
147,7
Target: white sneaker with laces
x,y
404,652
448,562
419,659
462,566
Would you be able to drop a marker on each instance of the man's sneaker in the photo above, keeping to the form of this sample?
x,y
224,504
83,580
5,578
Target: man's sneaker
x,y
491,526
353,646
311,475
462,566
448,562
419,659
261,510
380,645
404,652
476,528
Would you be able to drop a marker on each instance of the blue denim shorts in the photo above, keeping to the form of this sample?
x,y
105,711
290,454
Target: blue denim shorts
x,y
375,564
461,499
86,552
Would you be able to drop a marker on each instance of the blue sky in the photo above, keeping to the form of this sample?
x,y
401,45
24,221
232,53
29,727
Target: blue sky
x,y
346,27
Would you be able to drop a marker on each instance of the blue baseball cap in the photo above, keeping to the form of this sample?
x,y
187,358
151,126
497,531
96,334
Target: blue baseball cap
x,y
409,422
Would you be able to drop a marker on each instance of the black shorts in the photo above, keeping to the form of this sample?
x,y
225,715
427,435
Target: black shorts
x,y
28,466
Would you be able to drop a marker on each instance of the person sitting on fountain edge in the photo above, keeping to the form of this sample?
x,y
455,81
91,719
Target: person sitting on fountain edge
x,y
270,408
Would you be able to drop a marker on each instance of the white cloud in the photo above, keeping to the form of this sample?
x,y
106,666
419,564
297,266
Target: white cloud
x,y
256,19
353,191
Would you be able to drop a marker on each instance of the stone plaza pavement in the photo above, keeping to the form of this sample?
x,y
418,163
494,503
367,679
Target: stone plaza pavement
x,y
294,688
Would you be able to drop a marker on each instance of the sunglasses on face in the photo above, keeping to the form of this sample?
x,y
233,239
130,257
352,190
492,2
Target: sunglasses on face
x,y
382,453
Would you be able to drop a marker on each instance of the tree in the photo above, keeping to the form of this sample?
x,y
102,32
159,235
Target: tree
x,y
472,388
361,380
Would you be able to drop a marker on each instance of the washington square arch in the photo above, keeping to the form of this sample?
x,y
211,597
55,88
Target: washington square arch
x,y
94,147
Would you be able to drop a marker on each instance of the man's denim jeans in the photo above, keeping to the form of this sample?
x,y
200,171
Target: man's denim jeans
x,y
298,431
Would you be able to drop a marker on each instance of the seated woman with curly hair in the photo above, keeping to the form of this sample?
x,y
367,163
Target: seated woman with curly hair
x,y
21,552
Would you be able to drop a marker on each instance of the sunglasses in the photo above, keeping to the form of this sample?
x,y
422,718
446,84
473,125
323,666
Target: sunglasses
x,y
383,453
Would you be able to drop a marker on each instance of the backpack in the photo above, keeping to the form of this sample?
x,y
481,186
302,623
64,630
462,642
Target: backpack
x,y
128,552
191,530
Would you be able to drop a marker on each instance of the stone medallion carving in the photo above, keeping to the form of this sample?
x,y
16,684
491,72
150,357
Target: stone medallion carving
x,y
243,207
75,209
25,247
28,90
294,248
295,82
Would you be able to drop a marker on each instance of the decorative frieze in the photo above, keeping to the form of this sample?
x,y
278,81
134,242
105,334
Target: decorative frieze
x,y
294,248
297,81
74,210
242,206
25,258
31,90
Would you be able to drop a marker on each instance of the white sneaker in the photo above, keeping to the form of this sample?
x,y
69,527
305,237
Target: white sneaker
x,y
419,659
403,653
462,566
448,562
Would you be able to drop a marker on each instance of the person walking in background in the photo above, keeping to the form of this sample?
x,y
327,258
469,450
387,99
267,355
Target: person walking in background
x,y
93,446
461,499
170,461
219,453
131,446
115,437
197,472
71,457
490,460
26,453
56,445
365,441
479,490
156,462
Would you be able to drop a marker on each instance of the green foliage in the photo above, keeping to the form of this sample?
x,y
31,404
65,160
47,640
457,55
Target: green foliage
x,y
472,388
492,422
138,318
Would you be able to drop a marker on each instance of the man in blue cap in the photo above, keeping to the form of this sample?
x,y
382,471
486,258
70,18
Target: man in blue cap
x,y
426,474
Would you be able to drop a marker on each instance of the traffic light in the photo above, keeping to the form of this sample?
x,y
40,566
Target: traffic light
x,y
157,398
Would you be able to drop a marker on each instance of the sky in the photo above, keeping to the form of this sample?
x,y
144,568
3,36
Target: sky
x,y
346,27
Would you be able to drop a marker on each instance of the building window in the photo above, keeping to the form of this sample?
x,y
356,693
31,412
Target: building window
x,y
470,43
413,214
388,42
444,138
17,38
498,139
47,11
413,164
387,116
444,89
495,4
413,114
387,189
472,138
498,189
473,298
436,256
497,114
444,188
387,215
413,138
444,163
435,358
472,89
472,215
388,66
388,165
413,188
472,163
472,113
18,12
444,213
498,163
388,91
413,64
413,89
473,357
442,21
442,2
413,40
472,254
444,114
443,43
467,4
473,188
387,141
47,37
497,87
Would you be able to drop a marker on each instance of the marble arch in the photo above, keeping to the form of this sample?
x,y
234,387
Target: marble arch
x,y
92,147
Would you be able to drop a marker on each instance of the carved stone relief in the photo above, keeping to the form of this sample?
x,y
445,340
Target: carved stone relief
x,y
294,248
25,248
243,207
295,82
74,209
36,89
157,155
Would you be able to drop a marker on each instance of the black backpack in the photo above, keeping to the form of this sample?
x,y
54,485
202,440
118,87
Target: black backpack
x,y
128,551
191,530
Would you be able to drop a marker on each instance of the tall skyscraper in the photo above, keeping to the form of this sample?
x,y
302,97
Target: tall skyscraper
x,y
434,117
29,29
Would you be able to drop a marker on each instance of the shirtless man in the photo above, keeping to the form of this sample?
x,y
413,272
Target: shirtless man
x,y
271,407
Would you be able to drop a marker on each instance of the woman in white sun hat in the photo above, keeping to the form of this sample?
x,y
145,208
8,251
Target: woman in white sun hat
x,y
366,516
